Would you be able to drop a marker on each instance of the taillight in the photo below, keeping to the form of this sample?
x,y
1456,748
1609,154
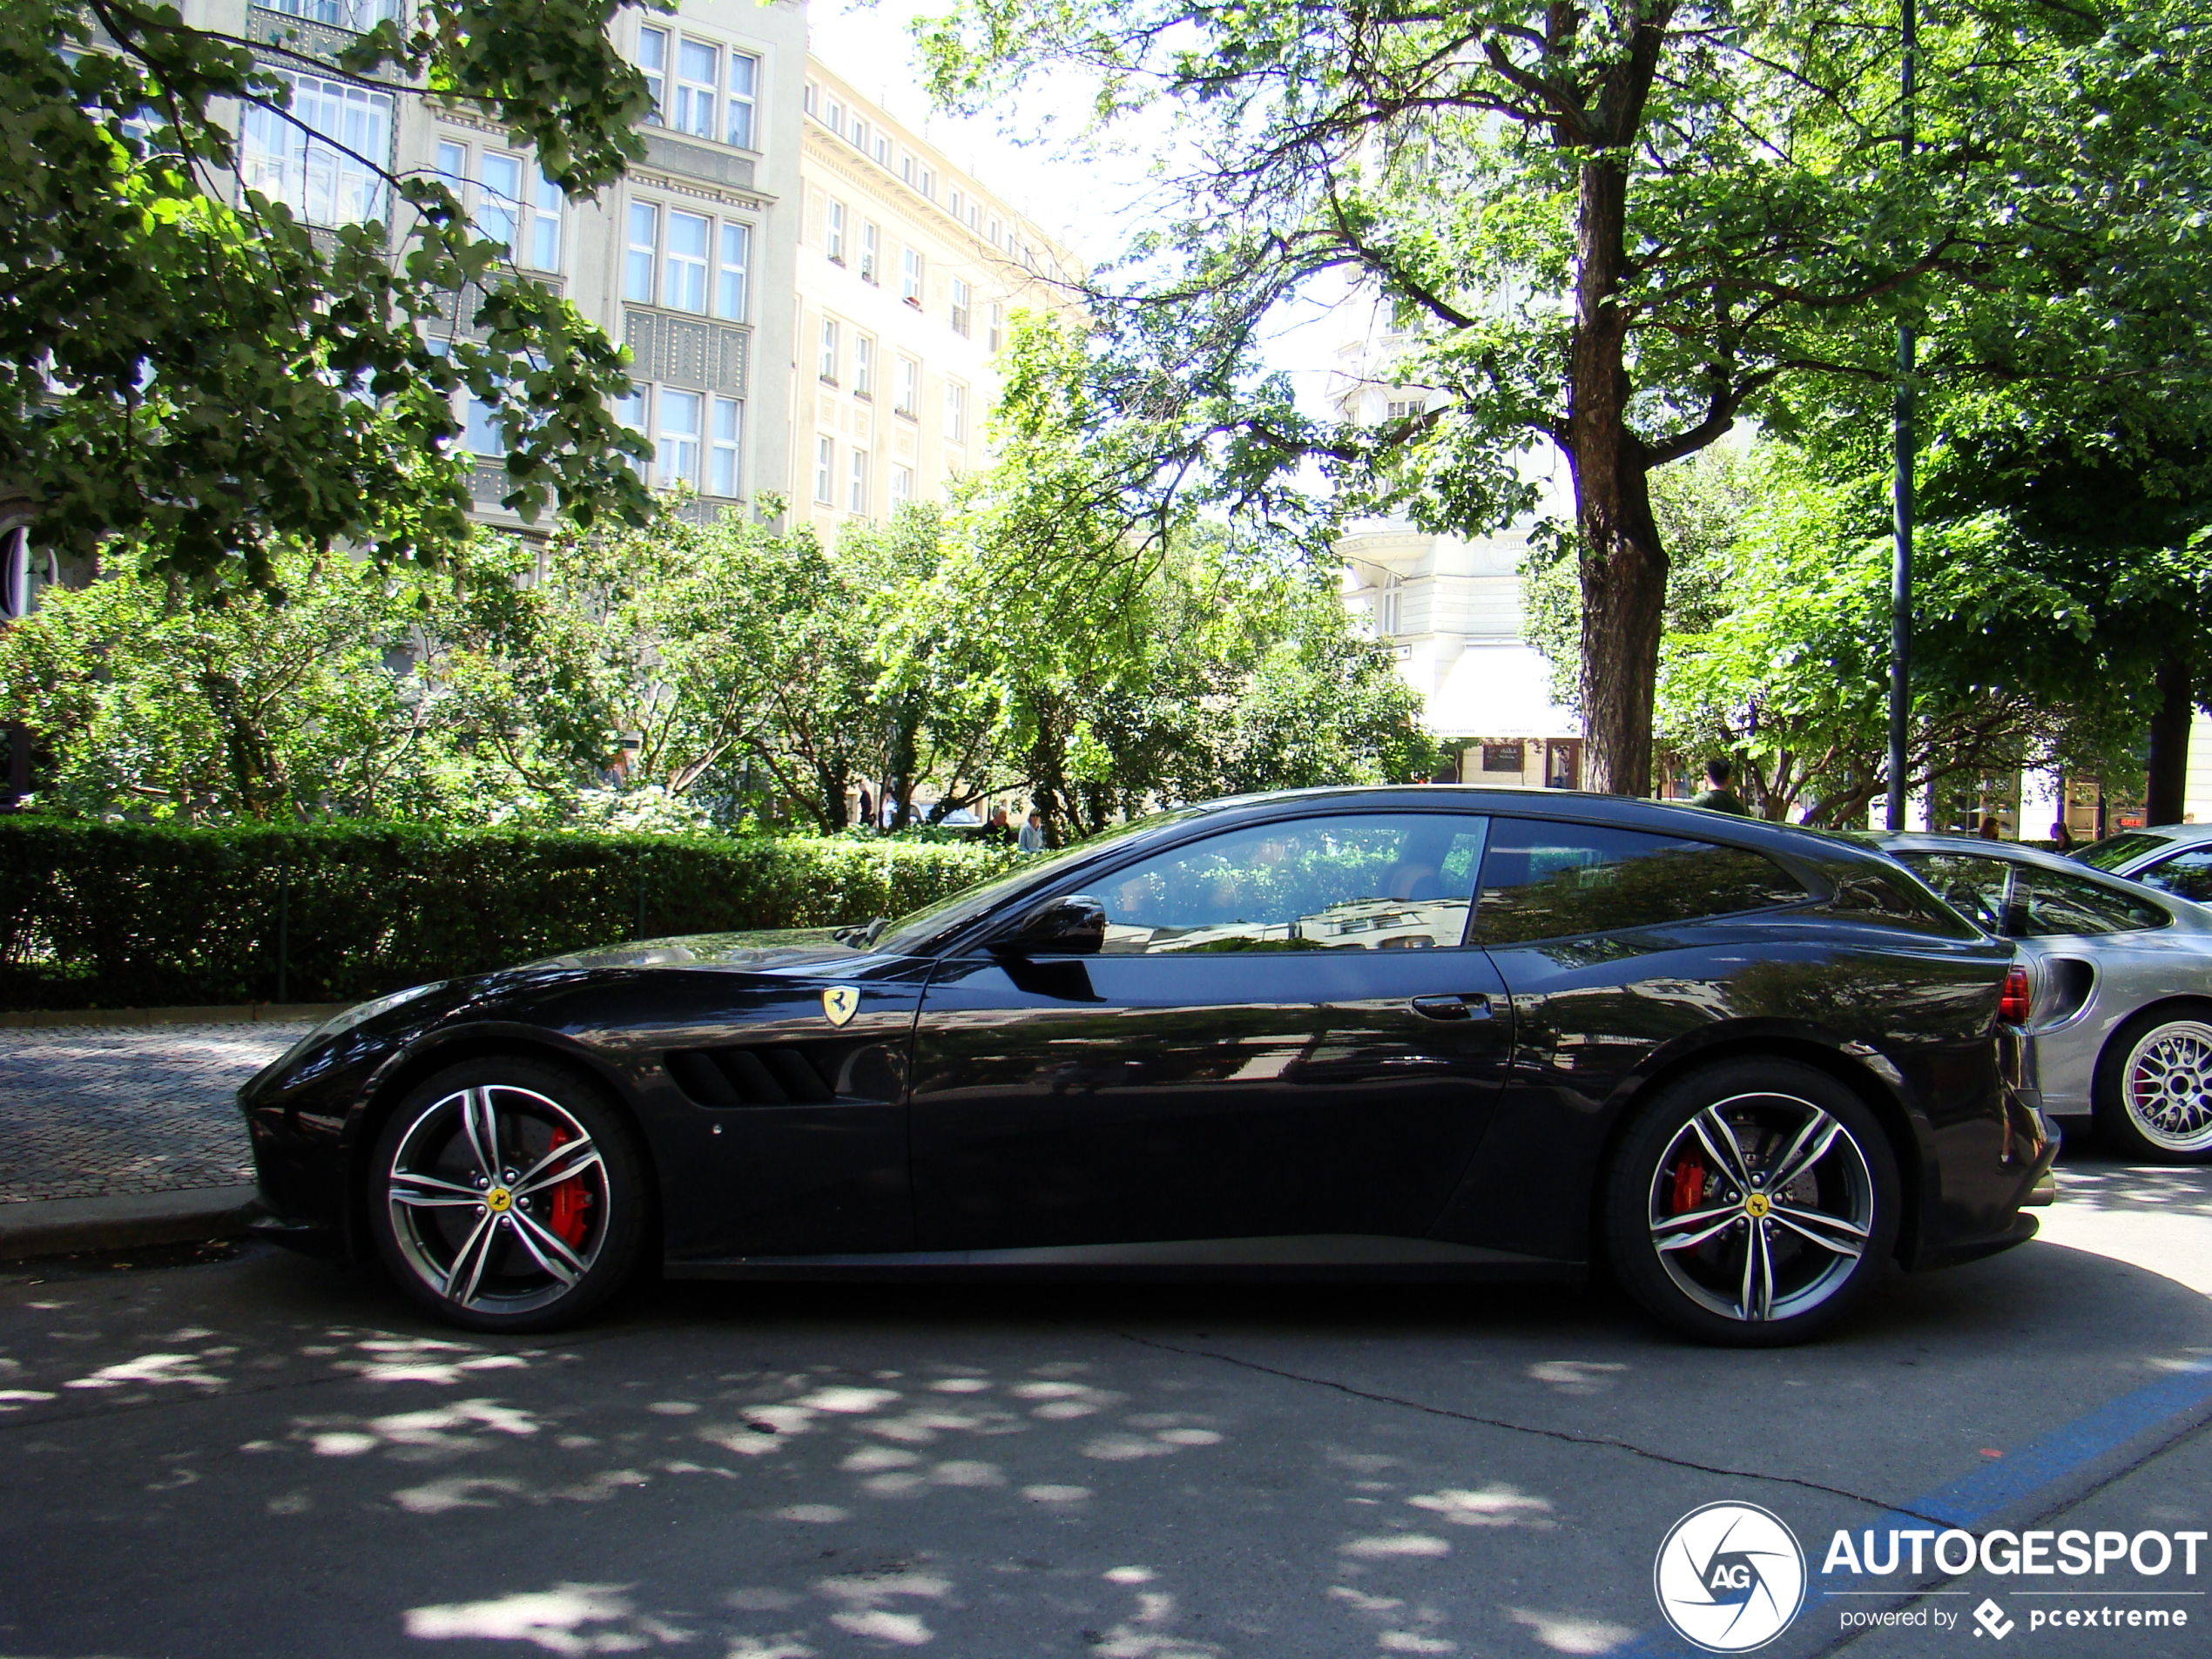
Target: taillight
x,y
2013,1006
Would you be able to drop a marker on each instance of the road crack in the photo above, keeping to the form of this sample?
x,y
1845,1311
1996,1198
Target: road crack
x,y
1605,1441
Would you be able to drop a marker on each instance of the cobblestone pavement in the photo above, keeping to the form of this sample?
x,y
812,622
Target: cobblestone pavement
x,y
91,1111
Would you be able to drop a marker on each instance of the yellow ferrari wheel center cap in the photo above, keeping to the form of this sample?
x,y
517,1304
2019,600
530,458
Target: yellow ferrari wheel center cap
x,y
498,1199
1756,1205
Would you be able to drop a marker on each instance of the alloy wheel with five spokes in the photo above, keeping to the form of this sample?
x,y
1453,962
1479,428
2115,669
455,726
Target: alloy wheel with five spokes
x,y
503,1200
1751,1202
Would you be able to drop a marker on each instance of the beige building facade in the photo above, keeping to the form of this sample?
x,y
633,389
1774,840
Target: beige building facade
x,y
906,273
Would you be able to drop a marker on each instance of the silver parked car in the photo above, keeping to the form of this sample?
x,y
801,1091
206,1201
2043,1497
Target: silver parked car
x,y
2175,858
2121,978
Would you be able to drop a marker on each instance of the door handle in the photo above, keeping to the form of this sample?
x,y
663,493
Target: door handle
x,y
1468,1006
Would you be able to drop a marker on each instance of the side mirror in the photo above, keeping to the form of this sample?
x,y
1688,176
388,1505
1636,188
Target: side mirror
x,y
1073,926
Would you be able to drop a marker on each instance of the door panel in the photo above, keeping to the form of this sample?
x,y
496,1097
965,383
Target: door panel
x,y
1230,1066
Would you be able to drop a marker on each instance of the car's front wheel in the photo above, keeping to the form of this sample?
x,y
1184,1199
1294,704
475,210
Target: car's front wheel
x,y
1751,1203
2154,1096
508,1195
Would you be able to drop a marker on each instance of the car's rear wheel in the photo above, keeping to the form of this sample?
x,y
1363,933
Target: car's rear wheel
x,y
2154,1096
508,1195
1751,1203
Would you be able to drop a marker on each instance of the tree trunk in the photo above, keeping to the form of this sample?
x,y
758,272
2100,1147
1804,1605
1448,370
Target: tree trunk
x,y
2165,783
1623,567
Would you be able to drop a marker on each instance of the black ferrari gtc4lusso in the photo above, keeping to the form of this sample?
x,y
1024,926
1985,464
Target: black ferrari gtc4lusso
x,y
1431,1031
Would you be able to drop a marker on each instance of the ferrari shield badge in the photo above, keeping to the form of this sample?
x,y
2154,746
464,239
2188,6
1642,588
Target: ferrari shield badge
x,y
841,1003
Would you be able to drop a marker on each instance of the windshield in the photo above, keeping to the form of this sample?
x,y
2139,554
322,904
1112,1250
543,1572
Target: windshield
x,y
2116,850
912,935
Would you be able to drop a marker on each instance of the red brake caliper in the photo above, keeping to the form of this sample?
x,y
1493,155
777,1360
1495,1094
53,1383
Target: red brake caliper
x,y
1689,1186
568,1200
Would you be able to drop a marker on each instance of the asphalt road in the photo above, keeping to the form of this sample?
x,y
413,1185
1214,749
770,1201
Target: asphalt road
x,y
273,1456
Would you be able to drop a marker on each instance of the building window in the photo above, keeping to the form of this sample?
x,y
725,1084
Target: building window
x,y
545,225
722,460
629,409
810,97
996,339
971,212
683,278
698,84
360,16
833,236
484,436
956,412
827,366
871,253
910,279
995,233
906,168
307,157
640,263
652,58
825,471
1403,408
960,307
737,264
863,365
882,150
675,454
859,134
928,185
745,79
856,494
960,203
528,229
1563,763
833,116
902,487
1389,608
909,401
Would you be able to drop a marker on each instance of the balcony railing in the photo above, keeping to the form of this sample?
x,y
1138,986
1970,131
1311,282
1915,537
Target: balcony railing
x,y
360,16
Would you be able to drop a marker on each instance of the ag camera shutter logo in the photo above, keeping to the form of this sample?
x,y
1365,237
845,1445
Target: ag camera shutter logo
x,y
1729,1577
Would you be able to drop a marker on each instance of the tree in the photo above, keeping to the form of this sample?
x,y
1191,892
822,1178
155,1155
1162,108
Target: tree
x,y
1624,229
190,364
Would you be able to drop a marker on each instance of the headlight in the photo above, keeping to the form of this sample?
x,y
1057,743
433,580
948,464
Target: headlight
x,y
351,1017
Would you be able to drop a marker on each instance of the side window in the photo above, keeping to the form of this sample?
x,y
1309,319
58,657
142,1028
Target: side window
x,y
1550,880
1869,895
2186,875
1974,888
1372,881
2058,903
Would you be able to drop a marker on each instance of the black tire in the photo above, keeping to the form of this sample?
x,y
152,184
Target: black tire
x,y
549,1237
1668,1180
2153,1088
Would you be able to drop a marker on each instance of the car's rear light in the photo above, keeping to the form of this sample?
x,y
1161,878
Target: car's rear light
x,y
2013,1006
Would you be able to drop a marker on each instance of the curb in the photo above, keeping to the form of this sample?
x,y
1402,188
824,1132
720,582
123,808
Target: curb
x,y
233,1013
122,1221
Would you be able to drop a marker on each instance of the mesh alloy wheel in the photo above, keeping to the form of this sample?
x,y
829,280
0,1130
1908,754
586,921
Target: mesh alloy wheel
x,y
1761,1207
506,1197
1750,1202
2166,1087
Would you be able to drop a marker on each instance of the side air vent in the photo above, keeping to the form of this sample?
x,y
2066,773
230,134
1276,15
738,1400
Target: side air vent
x,y
781,1074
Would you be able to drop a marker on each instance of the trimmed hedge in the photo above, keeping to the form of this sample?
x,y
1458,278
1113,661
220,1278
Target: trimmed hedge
x,y
129,916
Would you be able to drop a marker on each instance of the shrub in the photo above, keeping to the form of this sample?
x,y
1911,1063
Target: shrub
x,y
126,915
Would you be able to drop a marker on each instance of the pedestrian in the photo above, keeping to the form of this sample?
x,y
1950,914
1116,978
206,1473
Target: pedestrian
x,y
1033,833
1716,796
868,807
2061,837
1990,831
997,832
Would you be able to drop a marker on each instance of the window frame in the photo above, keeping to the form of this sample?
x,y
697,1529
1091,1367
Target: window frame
x,y
825,470
697,269
831,354
955,411
718,445
833,232
906,393
691,92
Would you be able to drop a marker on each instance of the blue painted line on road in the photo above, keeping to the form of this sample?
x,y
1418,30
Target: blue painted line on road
x,y
1997,1487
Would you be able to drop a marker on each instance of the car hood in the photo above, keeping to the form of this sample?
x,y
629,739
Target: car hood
x,y
791,947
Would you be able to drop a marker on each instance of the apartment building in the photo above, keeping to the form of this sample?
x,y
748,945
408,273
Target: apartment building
x,y
906,272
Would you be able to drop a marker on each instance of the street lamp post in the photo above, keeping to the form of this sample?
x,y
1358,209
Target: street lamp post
x,y
1901,489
